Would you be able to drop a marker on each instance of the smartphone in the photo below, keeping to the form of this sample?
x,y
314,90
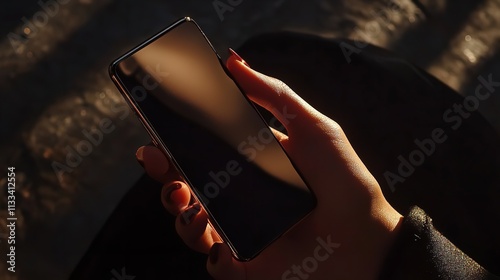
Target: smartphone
x,y
199,117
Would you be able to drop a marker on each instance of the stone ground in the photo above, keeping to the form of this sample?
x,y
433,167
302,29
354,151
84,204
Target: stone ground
x,y
55,90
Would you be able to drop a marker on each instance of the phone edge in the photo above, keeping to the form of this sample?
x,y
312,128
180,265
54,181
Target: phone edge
x,y
157,140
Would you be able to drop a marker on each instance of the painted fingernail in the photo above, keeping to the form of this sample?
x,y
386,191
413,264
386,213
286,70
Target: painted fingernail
x,y
172,188
139,155
213,255
238,57
189,214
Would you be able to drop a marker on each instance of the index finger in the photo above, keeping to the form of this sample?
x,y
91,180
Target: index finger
x,y
272,94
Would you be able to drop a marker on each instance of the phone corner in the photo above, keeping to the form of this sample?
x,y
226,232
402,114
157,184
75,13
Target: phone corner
x,y
112,69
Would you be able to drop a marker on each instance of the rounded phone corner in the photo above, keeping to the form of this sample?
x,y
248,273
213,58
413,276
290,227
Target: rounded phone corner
x,y
112,68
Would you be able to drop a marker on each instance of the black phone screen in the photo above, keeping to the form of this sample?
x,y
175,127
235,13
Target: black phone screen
x,y
220,144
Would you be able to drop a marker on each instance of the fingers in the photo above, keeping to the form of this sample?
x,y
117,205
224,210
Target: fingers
x,y
221,264
156,164
192,221
192,226
175,197
272,94
279,135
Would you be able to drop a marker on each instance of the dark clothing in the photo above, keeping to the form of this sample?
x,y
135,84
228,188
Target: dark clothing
x,y
421,252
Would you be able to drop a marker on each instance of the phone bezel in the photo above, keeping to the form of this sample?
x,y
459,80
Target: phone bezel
x,y
157,141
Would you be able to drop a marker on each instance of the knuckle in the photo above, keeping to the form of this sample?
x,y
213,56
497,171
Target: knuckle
x,y
281,87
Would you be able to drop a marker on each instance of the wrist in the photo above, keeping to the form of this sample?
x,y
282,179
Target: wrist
x,y
372,241
386,226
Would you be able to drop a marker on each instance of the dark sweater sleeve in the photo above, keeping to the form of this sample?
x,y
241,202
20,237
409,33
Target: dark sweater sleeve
x,y
421,252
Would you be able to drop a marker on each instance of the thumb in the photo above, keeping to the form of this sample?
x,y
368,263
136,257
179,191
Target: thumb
x,y
272,94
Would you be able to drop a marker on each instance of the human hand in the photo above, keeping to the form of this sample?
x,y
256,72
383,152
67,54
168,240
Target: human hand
x,y
353,225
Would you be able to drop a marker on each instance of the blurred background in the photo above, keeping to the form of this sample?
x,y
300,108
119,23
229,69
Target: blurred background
x,y
57,96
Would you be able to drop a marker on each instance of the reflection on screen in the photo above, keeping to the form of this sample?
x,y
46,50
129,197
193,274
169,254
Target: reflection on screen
x,y
226,152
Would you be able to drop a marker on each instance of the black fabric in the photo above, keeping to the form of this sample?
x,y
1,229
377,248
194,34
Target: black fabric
x,y
383,104
421,252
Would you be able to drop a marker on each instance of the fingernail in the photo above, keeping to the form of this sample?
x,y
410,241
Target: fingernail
x,y
172,188
213,256
238,57
188,215
161,165
139,155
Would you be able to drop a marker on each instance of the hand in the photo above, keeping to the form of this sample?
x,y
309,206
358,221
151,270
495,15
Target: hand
x,y
353,225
